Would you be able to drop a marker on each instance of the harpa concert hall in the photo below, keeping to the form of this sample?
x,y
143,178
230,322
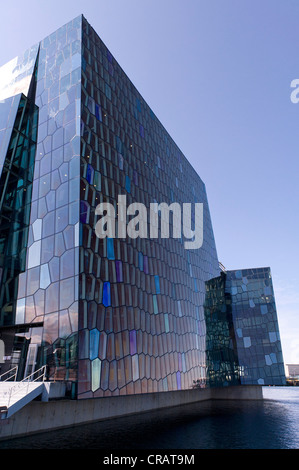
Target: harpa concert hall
x,y
113,315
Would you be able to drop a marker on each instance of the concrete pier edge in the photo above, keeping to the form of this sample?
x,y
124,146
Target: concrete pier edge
x,y
39,416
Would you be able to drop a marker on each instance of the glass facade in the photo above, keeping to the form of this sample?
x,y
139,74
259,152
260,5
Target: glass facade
x,y
141,320
16,191
43,326
108,316
243,341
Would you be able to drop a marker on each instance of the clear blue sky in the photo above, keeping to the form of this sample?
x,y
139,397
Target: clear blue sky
x,y
217,74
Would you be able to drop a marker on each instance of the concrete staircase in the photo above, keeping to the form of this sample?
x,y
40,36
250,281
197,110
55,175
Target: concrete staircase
x,y
15,395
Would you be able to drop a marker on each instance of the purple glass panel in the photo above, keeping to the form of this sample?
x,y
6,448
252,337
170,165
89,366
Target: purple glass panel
x,y
84,212
90,174
133,344
109,56
119,271
178,380
145,264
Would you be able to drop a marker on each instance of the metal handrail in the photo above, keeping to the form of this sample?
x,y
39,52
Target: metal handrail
x,y
7,372
43,368
25,383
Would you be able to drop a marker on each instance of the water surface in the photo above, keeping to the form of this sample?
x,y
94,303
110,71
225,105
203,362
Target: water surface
x,y
269,424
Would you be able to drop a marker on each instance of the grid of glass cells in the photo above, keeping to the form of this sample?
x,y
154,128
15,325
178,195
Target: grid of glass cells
x,y
256,326
141,317
48,289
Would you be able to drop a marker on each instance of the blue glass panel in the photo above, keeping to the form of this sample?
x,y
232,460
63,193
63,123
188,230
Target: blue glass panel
x,y
155,304
110,248
157,284
94,337
106,294
90,174
97,180
140,261
128,184
98,112
273,358
166,321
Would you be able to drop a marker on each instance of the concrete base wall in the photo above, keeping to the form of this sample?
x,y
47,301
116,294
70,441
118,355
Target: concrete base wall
x,y
41,416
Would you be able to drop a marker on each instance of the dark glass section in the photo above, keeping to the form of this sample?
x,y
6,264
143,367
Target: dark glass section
x,y
23,346
15,204
222,360
243,342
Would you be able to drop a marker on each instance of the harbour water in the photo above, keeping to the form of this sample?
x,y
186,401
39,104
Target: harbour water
x,y
269,424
